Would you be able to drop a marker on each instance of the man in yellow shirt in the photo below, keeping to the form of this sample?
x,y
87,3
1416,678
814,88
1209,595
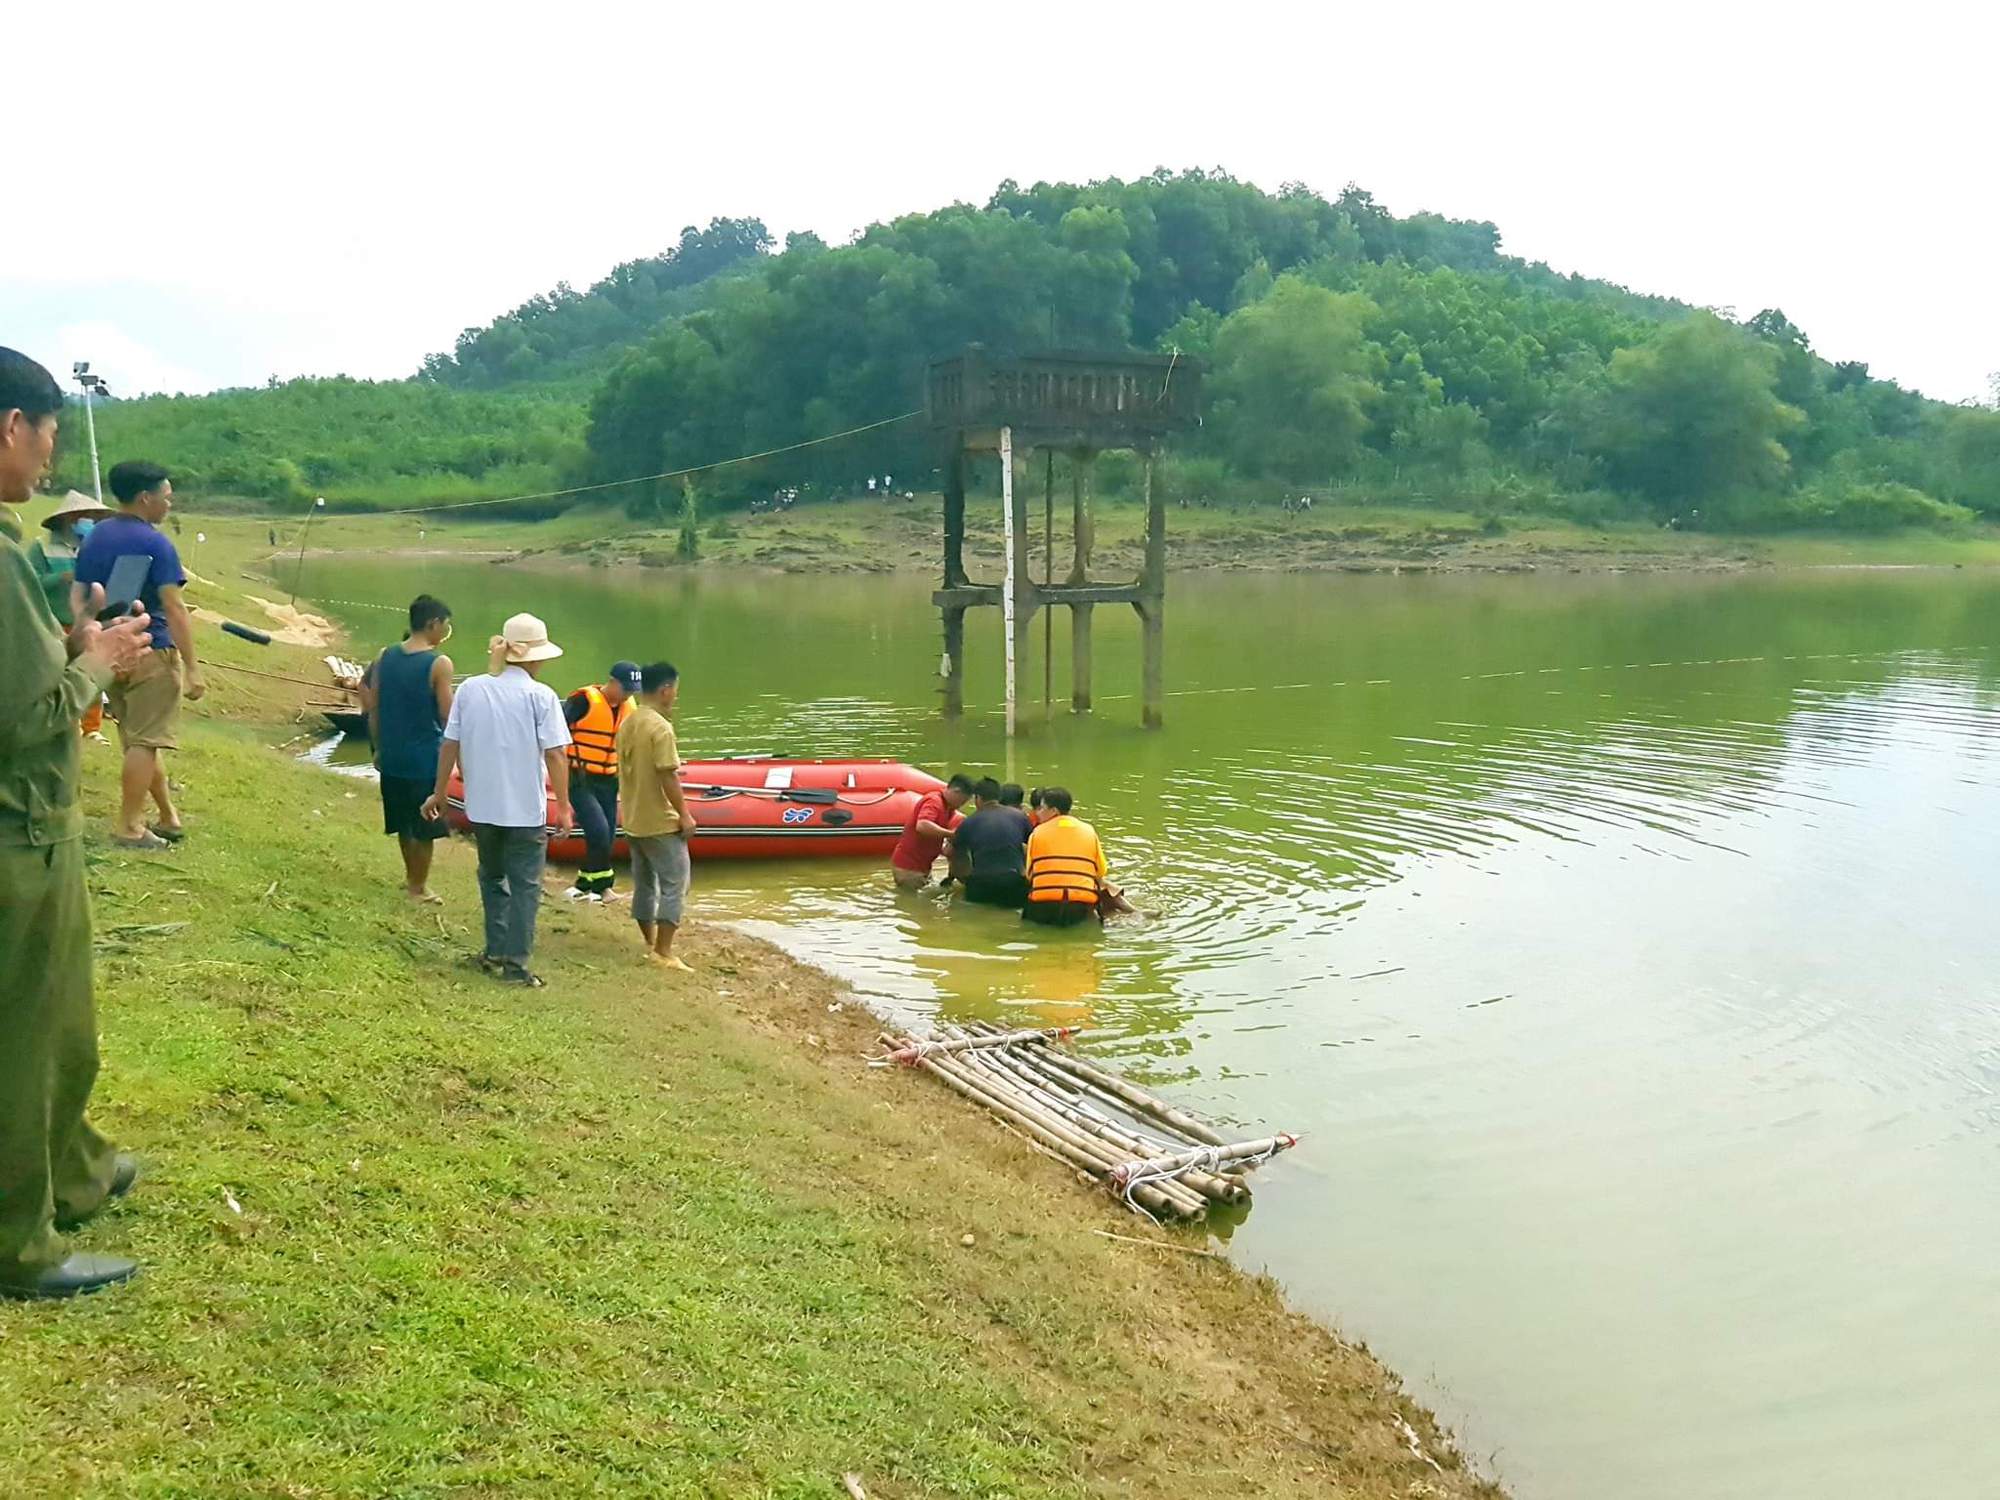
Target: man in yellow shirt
x,y
655,814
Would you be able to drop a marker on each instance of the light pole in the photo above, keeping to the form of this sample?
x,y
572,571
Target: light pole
x,y
93,385
304,532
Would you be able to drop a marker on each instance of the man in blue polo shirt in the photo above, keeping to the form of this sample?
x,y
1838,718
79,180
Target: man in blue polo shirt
x,y
146,700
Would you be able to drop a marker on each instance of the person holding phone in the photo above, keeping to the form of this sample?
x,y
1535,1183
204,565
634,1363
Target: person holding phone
x,y
55,1171
127,551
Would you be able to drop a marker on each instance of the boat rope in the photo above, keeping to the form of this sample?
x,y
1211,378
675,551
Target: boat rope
x,y
223,666
1129,1177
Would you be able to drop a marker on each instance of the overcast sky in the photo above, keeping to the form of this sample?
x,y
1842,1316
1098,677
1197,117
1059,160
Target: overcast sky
x,y
232,191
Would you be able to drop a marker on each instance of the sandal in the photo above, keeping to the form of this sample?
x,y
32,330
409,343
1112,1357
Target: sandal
x,y
146,843
517,975
161,831
481,964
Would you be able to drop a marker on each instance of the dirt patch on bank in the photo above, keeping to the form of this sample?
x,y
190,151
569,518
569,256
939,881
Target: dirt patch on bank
x,y
286,624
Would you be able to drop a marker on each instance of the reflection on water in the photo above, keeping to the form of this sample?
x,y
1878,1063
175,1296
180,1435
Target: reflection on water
x,y
1623,947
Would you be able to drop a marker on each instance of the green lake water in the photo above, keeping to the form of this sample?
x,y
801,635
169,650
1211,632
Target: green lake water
x,y
1623,947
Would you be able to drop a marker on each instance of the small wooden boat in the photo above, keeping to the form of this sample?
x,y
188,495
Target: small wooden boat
x,y
348,721
345,717
763,807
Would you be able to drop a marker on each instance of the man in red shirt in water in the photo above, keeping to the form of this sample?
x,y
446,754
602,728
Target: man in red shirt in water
x,y
924,836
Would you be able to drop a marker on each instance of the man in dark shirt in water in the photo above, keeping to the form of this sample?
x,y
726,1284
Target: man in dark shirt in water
x,y
991,847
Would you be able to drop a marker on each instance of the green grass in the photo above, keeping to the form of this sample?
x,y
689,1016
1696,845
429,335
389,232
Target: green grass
x,y
632,1234
449,1267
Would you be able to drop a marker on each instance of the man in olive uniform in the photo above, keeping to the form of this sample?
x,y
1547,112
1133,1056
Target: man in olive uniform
x,y
54,1169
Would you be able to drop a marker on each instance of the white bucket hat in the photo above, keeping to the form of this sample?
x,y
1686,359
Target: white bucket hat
x,y
526,639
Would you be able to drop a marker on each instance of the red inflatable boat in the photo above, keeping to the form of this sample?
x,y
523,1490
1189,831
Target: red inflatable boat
x,y
761,807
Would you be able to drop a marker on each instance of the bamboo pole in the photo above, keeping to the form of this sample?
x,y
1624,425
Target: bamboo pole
x,y
1073,1071
1130,1239
1016,1119
1178,1200
1073,1106
1041,1063
1181,1160
1135,1097
1204,1182
909,1050
1114,1091
1038,1129
1174,1198
1214,1186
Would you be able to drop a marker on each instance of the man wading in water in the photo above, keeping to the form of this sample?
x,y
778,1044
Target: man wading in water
x,y
991,848
924,836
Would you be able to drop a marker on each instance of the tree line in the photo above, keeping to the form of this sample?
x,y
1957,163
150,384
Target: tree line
x,y
1346,347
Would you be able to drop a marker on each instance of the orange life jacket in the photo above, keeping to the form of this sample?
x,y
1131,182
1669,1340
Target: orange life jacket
x,y
1064,861
594,737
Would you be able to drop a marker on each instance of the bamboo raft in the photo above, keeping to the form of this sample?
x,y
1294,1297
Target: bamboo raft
x,y
1158,1160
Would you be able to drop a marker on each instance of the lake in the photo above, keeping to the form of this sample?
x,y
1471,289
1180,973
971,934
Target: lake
x,y
1623,947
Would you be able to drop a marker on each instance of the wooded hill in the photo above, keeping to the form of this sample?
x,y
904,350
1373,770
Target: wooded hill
x,y
1349,350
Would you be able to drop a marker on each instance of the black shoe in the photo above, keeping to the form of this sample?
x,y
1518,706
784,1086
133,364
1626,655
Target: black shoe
x,y
517,974
123,1176
78,1276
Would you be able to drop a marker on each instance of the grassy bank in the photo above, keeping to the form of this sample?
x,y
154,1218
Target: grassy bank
x,y
407,1232
862,535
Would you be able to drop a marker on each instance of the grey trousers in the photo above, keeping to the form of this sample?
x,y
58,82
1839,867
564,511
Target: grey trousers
x,y
510,886
659,878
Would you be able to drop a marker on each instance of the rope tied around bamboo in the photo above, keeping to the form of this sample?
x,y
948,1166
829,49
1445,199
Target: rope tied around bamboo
x,y
910,1053
1160,1161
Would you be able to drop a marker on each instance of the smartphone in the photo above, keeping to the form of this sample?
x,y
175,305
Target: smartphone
x,y
128,577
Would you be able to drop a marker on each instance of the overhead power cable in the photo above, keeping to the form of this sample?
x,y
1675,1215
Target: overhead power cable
x,y
612,484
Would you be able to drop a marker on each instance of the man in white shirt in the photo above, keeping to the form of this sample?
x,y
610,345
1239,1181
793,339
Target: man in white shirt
x,y
507,737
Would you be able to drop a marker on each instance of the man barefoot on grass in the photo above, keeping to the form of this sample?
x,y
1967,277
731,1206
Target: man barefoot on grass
x,y
407,695
655,813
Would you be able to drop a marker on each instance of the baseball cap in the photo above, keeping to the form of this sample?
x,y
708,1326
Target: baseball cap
x,y
626,674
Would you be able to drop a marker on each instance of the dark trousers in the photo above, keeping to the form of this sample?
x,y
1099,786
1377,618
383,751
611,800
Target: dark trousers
x,y
510,887
52,1164
1007,889
595,799
1059,913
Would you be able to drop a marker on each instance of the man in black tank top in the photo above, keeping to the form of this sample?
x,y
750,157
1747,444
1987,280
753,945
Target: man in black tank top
x,y
407,693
